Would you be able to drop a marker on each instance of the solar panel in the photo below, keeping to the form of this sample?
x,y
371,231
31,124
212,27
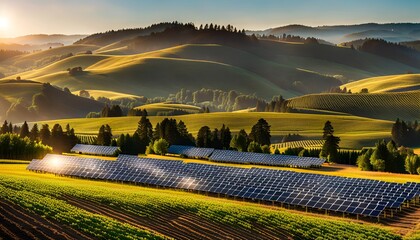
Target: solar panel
x,y
190,151
339,194
95,150
229,156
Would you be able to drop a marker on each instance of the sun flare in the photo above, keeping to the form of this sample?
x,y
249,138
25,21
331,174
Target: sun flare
x,y
4,23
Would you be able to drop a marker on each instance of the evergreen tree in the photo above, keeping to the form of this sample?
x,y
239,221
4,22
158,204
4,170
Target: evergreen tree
x,y
24,131
57,139
45,134
204,137
101,136
215,139
225,137
4,128
330,147
34,132
145,132
107,136
260,132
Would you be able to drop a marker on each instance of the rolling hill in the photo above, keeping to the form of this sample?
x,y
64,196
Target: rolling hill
x,y
388,106
113,96
392,83
168,107
28,100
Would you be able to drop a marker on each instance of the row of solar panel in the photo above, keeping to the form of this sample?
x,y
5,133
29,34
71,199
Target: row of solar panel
x,y
95,149
229,156
358,196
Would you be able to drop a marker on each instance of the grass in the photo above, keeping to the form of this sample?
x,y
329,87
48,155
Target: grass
x,y
155,108
388,106
391,83
14,90
355,132
20,184
114,96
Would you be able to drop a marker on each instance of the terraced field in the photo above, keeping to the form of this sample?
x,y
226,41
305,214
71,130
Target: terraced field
x,y
388,106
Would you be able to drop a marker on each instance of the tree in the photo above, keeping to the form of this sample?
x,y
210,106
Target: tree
x,y
265,149
330,147
34,132
145,132
24,131
363,161
225,137
215,139
104,135
4,128
204,137
380,157
45,134
161,146
260,132
254,147
412,163
240,141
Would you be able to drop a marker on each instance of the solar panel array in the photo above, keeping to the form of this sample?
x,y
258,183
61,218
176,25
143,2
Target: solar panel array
x,y
265,159
190,151
95,149
339,194
229,156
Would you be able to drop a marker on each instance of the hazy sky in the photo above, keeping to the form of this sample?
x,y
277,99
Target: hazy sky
x,y
21,17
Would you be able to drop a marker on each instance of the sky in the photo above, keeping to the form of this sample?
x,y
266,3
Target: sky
x,y
22,17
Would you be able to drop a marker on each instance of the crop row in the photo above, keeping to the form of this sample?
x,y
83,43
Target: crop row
x,y
149,203
377,105
301,143
94,224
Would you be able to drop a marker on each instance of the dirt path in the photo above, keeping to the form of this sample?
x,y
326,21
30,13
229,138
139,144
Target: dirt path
x,y
404,221
18,223
180,225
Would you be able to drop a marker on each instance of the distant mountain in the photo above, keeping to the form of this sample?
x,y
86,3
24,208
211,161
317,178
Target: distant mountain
x,y
395,32
29,48
41,39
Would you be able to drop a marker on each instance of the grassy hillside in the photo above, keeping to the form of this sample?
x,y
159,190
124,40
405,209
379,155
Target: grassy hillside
x,y
392,83
144,74
18,102
162,108
41,58
389,106
113,96
355,132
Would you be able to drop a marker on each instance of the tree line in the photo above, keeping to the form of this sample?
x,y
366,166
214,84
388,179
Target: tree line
x,y
387,157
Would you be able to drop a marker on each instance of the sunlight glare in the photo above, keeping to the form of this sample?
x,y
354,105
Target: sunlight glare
x,y
4,23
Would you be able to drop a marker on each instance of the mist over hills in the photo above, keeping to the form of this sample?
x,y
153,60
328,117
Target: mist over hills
x,y
394,32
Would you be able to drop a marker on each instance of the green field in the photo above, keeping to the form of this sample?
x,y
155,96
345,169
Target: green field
x,y
391,83
388,106
113,96
166,107
54,197
355,132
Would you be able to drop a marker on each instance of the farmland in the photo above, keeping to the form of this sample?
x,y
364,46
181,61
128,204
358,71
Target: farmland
x,y
355,132
112,203
388,106
391,83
